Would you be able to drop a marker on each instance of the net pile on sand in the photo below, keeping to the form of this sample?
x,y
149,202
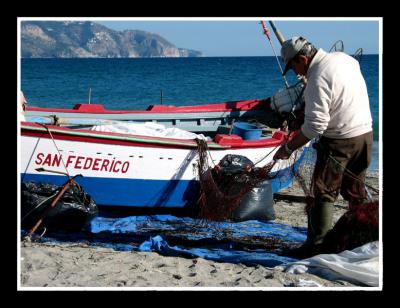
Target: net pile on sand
x,y
222,192
221,195
358,226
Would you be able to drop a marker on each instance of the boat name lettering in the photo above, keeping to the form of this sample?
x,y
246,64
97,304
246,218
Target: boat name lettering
x,y
82,162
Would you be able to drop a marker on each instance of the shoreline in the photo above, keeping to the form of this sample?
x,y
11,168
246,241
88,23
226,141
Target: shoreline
x,y
78,265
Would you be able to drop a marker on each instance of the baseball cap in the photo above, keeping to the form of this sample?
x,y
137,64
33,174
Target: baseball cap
x,y
290,48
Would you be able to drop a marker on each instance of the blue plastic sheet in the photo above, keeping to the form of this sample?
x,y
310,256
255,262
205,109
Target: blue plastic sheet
x,y
234,242
196,228
223,254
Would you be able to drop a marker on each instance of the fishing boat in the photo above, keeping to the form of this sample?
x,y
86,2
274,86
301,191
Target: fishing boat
x,y
136,170
196,118
121,169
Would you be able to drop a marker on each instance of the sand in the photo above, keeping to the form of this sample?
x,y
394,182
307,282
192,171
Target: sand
x,y
71,266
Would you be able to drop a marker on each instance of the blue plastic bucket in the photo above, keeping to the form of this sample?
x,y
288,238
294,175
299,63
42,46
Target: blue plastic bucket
x,y
247,131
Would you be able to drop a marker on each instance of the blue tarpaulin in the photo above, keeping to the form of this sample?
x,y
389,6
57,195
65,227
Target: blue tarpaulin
x,y
223,254
250,242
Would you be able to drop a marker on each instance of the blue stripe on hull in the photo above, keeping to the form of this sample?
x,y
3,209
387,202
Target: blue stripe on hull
x,y
130,192
147,193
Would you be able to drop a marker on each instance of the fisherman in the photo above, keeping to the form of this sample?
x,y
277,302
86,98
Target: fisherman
x,y
336,110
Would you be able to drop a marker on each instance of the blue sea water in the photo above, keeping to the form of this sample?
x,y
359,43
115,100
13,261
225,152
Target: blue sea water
x,y
137,83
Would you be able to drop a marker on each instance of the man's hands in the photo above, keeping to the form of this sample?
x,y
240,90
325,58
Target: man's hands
x,y
282,153
287,149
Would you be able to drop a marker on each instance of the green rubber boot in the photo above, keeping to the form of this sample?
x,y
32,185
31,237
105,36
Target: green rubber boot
x,y
319,222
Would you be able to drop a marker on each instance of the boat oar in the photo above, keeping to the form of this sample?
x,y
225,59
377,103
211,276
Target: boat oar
x,y
58,196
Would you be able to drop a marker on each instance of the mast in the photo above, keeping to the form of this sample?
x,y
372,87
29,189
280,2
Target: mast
x,y
278,34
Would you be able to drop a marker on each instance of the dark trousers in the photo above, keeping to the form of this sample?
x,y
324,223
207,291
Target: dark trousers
x,y
334,156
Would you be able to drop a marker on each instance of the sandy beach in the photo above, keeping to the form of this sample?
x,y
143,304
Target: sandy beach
x,y
44,265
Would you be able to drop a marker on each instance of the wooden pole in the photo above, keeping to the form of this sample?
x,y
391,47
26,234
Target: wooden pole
x,y
40,221
278,34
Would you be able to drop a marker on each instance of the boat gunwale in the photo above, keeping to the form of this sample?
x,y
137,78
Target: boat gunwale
x,y
32,129
241,105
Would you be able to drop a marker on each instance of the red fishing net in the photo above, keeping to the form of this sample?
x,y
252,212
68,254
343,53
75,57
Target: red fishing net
x,y
359,224
221,195
221,192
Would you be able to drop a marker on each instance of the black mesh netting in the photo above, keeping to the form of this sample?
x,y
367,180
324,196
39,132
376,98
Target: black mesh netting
x,y
222,192
72,211
225,185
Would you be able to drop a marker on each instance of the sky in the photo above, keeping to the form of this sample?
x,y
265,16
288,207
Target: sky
x,y
227,37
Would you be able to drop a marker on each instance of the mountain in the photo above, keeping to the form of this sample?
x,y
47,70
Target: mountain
x,y
71,39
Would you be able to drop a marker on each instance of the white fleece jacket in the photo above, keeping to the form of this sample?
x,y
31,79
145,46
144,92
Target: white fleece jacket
x,y
336,98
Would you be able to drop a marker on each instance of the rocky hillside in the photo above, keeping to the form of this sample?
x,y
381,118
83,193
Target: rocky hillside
x,y
69,39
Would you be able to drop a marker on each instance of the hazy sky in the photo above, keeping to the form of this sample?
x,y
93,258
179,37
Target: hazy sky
x,y
244,37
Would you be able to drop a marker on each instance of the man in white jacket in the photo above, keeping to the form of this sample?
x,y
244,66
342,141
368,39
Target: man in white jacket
x,y
336,109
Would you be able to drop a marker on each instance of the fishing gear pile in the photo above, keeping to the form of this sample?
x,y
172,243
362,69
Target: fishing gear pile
x,y
72,212
225,186
236,189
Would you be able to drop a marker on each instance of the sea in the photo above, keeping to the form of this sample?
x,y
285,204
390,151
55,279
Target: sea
x,y
136,83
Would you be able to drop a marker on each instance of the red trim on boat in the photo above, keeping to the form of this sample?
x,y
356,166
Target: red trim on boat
x,y
236,141
61,133
231,141
245,105
58,136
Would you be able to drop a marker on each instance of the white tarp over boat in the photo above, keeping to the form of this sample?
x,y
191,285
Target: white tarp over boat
x,y
148,129
360,265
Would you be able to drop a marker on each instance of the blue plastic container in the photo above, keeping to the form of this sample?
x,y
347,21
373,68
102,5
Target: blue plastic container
x,y
247,131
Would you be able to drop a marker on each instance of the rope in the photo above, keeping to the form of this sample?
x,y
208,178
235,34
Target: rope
x,y
355,177
266,155
62,160
38,205
266,32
